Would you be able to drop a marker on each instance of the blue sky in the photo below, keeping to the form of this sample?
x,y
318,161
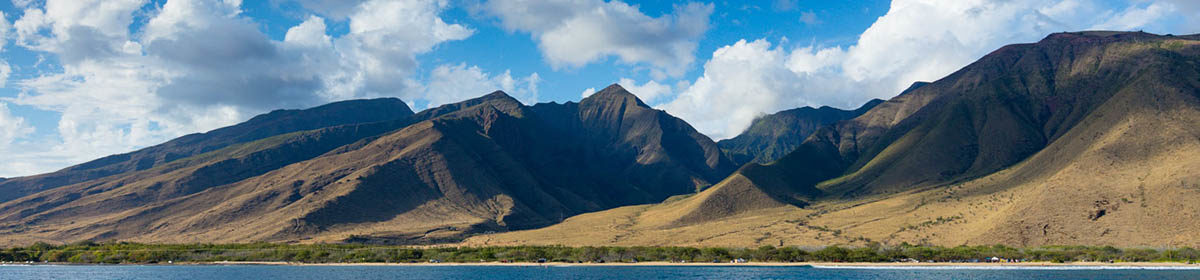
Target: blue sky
x,y
88,78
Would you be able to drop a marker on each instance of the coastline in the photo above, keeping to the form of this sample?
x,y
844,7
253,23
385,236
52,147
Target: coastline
x,y
821,265
1118,265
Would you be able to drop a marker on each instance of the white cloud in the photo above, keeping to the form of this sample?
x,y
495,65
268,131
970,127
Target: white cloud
x,y
1136,17
1160,16
380,51
5,28
572,33
650,92
5,70
917,40
310,33
740,82
195,65
11,129
77,30
588,92
454,83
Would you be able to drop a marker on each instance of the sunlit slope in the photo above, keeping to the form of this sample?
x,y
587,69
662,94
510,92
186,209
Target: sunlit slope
x,y
262,126
485,164
1083,138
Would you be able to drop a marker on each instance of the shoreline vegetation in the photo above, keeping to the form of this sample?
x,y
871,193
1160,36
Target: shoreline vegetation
x,y
364,254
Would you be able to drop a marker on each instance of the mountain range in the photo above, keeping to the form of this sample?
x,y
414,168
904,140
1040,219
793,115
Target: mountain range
x,y
1085,138
386,176
1081,138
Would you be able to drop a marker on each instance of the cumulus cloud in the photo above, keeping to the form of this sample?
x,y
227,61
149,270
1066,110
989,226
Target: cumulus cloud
x,y
385,37
11,129
650,92
917,40
588,92
740,82
195,65
310,33
5,28
1137,17
572,33
453,83
5,70
77,30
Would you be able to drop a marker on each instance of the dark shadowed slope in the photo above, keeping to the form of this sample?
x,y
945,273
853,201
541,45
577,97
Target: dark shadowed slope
x,y
772,136
261,126
655,148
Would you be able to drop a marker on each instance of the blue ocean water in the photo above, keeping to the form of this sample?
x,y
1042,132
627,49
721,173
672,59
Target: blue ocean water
x,y
133,272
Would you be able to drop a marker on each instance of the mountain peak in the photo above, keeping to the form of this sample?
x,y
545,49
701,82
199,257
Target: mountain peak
x,y
498,99
616,92
614,87
497,94
502,99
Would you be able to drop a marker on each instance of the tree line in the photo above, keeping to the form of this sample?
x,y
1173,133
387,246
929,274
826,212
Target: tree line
x,y
124,252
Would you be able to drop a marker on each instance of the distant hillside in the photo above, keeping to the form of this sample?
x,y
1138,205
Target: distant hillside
x,y
772,136
486,164
1082,138
262,126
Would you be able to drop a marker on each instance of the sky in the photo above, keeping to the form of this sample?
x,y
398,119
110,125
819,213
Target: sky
x,y
82,79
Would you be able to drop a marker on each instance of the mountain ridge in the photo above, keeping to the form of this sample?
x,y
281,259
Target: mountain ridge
x,y
1081,138
1078,139
258,127
484,164
772,136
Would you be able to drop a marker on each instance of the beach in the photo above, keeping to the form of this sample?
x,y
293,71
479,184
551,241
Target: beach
x,y
980,265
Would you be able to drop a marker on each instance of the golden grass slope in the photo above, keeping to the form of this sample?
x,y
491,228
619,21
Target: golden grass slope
x,y
1124,188
277,122
486,164
1118,167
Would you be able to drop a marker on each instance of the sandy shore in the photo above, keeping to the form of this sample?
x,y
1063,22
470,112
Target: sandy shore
x,y
813,264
